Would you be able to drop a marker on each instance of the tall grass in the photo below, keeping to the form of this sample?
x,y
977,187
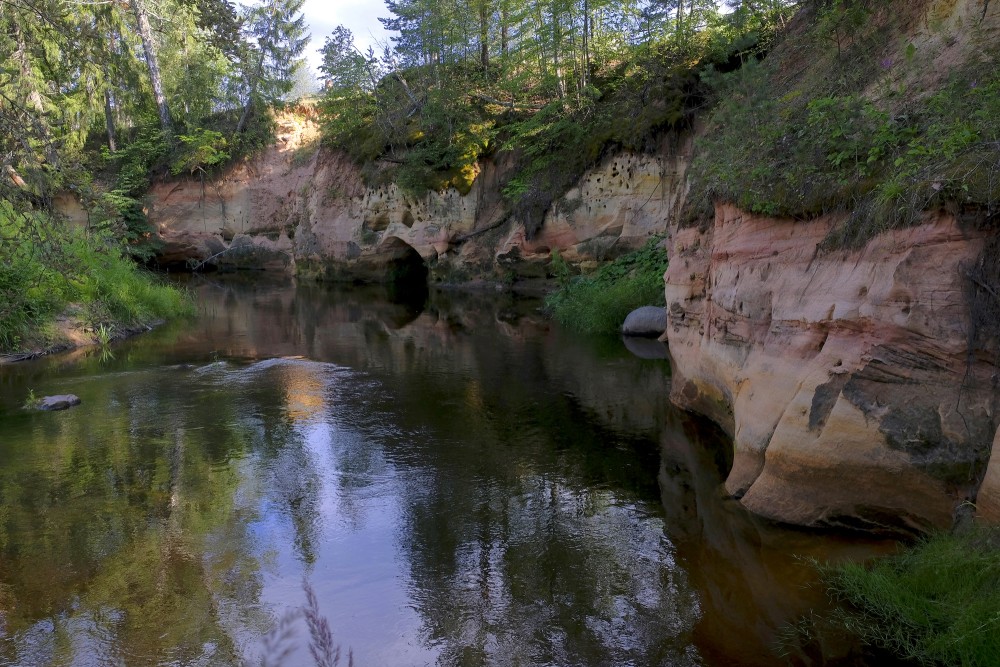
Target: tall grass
x,y
598,303
937,603
45,266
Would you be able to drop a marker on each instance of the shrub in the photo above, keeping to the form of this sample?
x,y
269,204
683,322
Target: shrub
x,y
598,303
937,603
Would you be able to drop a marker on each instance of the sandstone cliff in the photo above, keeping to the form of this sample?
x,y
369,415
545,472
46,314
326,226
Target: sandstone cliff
x,y
307,209
843,377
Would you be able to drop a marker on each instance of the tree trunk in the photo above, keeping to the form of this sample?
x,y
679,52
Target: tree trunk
x,y
248,107
245,116
680,21
149,47
586,43
484,26
109,120
503,28
34,98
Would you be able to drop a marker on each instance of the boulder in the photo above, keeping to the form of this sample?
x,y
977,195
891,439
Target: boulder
x,y
60,402
649,321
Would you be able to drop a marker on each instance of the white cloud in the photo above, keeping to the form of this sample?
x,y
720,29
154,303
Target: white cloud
x,y
360,16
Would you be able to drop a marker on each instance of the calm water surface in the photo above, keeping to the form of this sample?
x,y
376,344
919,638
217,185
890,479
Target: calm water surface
x,y
460,482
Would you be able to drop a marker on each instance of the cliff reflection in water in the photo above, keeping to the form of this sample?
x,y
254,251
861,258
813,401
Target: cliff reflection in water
x,y
461,483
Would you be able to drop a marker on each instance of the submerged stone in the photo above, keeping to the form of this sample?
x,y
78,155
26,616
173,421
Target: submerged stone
x,y
60,402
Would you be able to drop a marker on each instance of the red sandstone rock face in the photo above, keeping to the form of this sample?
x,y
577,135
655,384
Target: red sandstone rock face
x,y
313,203
842,376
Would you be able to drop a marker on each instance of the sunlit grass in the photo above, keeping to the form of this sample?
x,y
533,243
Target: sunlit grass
x,y
49,266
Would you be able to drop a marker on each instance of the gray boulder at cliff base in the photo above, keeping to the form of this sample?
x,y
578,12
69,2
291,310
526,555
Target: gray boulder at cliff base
x,y
61,402
650,321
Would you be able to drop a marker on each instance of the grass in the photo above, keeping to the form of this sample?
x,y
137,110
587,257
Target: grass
x,y
937,603
46,265
598,303
846,134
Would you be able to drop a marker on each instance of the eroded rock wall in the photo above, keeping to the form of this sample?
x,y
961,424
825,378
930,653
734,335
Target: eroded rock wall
x,y
842,376
616,206
304,208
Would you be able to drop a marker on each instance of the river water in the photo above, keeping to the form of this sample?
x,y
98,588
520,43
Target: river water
x,y
458,481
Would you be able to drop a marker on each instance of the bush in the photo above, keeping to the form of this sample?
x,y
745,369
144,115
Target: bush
x,y
52,265
937,603
599,303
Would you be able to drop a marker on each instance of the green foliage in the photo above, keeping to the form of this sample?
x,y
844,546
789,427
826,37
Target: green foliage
x,y
278,32
103,333
202,150
937,604
551,95
560,269
31,402
823,144
52,265
598,303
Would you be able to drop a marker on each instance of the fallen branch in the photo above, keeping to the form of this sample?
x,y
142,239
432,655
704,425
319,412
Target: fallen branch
x,y
510,105
236,249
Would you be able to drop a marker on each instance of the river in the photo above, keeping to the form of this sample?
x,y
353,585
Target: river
x,y
458,481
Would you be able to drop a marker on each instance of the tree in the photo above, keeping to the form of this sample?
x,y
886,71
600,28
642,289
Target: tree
x,y
343,66
276,30
152,62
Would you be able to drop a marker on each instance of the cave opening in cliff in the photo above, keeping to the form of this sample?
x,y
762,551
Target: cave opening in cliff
x,y
405,270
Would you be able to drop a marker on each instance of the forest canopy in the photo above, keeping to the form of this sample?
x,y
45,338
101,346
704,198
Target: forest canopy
x,y
552,82
95,98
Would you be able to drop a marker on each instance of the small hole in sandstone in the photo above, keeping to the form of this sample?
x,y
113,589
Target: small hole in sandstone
x,y
863,291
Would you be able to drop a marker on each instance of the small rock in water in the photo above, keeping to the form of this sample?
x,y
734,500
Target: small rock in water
x,y
61,402
648,321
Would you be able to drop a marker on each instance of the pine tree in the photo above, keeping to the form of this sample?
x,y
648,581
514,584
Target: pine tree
x,y
276,30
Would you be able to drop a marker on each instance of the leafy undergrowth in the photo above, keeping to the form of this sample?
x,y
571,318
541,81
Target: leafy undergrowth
x,y
937,603
854,129
52,265
598,303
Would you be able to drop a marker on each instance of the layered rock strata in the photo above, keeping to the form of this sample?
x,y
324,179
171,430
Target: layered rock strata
x,y
842,376
307,209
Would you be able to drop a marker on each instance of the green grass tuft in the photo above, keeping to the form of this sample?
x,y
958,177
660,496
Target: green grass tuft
x,y
52,265
598,303
937,603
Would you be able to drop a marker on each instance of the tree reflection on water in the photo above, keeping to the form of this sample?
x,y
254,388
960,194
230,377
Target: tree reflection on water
x,y
461,484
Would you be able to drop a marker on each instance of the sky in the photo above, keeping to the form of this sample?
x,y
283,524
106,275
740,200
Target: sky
x,y
360,16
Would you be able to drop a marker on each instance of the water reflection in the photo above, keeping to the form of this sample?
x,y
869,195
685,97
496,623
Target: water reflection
x,y
461,483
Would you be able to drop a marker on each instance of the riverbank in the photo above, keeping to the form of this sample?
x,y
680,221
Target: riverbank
x,y
71,331
63,286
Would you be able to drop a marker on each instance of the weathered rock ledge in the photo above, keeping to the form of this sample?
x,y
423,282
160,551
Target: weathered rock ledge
x,y
843,377
301,208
